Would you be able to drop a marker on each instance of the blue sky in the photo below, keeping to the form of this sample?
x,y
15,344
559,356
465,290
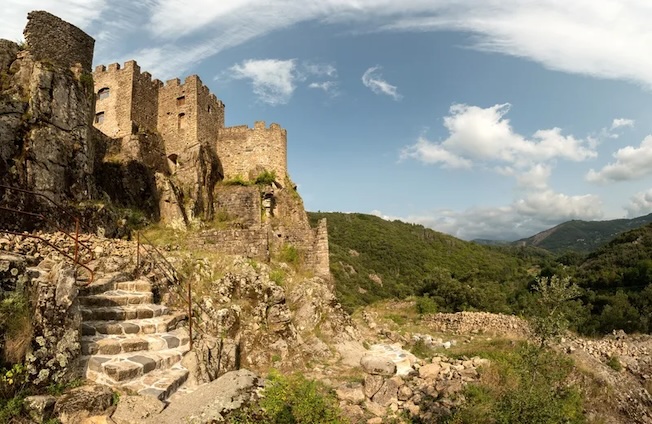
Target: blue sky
x,y
478,118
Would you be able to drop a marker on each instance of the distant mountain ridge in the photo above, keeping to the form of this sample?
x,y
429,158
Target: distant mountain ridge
x,y
582,236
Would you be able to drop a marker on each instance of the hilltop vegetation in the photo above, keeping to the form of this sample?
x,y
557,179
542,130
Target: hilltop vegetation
x,y
374,259
582,236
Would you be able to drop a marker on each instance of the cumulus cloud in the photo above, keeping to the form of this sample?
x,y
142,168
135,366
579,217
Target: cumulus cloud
x,y
320,69
523,218
631,163
373,80
484,135
640,204
273,80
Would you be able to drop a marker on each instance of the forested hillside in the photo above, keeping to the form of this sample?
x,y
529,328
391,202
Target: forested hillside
x,y
582,236
372,259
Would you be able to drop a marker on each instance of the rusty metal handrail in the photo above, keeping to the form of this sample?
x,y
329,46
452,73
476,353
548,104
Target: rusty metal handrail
x,y
49,199
174,278
92,274
44,218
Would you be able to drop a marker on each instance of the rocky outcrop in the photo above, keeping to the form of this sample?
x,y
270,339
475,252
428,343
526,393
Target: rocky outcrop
x,y
214,401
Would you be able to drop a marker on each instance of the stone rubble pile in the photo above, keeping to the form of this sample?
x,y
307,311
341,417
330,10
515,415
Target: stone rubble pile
x,y
476,323
396,382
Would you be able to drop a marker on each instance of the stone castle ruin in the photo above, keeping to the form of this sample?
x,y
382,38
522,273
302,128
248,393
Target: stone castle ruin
x,y
118,135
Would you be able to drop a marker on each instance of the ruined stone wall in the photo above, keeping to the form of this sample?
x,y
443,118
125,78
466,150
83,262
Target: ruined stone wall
x,y
249,242
51,39
126,99
243,150
238,205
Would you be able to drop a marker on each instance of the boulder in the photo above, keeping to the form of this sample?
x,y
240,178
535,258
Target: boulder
x,y
378,365
135,409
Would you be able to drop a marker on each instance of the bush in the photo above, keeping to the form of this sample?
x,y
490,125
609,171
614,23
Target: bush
x,y
527,385
426,305
289,254
265,178
292,399
614,363
238,180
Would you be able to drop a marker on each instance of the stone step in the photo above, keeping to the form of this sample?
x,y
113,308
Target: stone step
x,y
142,285
103,283
116,298
122,313
159,324
125,367
159,383
116,344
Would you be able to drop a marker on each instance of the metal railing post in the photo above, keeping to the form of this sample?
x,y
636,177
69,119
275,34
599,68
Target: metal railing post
x,y
190,311
137,249
76,241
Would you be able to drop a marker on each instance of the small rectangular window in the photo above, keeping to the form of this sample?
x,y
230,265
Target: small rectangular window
x,y
103,93
181,123
181,101
99,117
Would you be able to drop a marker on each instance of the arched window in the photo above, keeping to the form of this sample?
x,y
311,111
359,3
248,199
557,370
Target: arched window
x,y
181,122
103,93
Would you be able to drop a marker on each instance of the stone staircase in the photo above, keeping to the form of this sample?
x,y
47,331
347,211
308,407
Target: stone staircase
x,y
130,342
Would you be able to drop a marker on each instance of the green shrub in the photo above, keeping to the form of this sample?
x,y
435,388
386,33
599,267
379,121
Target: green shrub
x,y
291,399
426,305
265,178
289,254
527,385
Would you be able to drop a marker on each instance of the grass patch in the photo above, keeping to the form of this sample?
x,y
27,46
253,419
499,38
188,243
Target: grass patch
x,y
265,178
614,363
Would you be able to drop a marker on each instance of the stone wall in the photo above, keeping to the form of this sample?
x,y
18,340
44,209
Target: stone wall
x,y
243,150
250,242
238,206
51,39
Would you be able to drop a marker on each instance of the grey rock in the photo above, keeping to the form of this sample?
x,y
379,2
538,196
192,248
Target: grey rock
x,y
378,365
40,408
135,409
213,401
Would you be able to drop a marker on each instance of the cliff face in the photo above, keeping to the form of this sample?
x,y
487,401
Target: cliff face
x,y
46,113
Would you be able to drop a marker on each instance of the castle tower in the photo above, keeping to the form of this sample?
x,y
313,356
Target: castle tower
x,y
244,151
126,99
188,115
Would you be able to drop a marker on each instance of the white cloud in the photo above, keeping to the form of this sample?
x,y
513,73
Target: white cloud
x,y
631,163
320,69
329,87
373,80
640,204
622,122
536,177
273,80
484,135
523,218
